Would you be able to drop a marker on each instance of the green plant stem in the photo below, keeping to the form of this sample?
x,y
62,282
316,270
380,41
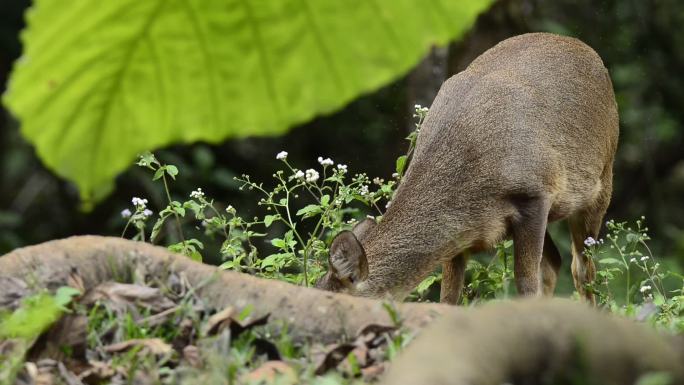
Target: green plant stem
x,y
289,219
123,233
175,214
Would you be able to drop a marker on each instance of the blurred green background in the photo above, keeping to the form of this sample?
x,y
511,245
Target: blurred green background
x,y
641,43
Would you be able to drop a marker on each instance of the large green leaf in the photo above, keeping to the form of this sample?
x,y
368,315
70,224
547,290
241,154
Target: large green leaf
x,y
101,81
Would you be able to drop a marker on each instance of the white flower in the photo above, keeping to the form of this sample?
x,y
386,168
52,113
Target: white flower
x,y
140,203
230,209
311,175
645,288
388,204
147,213
590,242
633,260
363,190
342,167
378,181
299,174
420,109
395,175
126,213
325,162
644,258
282,155
197,194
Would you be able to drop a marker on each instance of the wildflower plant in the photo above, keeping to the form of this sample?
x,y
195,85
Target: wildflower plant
x,y
303,210
648,292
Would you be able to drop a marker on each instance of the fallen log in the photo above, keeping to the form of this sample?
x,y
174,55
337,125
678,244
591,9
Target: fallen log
x,y
548,341
311,314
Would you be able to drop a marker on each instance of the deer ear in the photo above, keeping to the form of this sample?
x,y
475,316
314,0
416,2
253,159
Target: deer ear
x,y
362,228
347,257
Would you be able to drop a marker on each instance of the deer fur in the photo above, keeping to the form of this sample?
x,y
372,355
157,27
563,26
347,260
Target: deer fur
x,y
526,135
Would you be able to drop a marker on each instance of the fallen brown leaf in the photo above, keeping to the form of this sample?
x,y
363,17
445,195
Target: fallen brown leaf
x,y
334,357
372,372
271,372
97,372
236,328
154,346
123,296
218,322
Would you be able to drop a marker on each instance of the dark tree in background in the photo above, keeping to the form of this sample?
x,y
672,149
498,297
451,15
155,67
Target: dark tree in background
x,y
641,42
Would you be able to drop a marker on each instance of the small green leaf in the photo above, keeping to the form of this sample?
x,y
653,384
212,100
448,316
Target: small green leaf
x,y
195,256
196,208
147,159
325,200
309,211
401,163
279,243
425,285
65,295
268,219
157,227
172,171
277,261
158,174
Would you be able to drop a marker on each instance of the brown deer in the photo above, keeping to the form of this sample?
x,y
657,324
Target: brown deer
x,y
524,136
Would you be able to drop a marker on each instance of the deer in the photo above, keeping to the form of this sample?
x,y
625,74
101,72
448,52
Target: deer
x,y
524,136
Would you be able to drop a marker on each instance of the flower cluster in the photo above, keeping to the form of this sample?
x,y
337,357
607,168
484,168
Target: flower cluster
x,y
139,203
282,155
420,110
197,194
311,175
589,242
325,162
140,207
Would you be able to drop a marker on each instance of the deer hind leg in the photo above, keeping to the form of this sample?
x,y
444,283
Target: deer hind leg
x,y
528,231
453,276
585,224
551,263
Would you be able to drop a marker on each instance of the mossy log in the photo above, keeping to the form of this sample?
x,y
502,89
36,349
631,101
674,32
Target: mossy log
x,y
547,341
311,313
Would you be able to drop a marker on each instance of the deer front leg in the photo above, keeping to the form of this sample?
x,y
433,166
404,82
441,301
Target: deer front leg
x,y
453,276
528,229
